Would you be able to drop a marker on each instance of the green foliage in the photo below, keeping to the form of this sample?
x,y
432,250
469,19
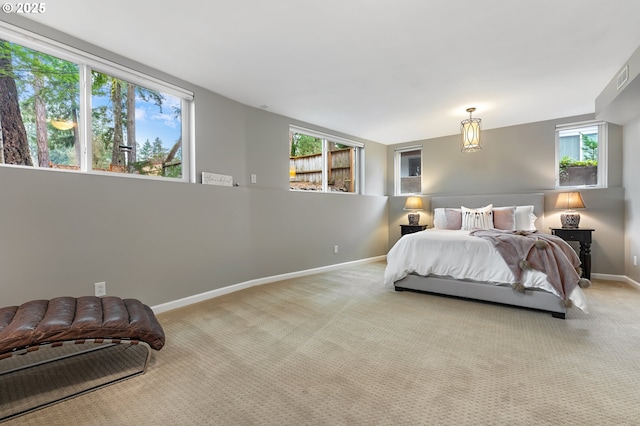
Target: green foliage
x,y
589,148
174,171
567,162
302,144
570,162
59,91
152,161
590,155
145,152
157,151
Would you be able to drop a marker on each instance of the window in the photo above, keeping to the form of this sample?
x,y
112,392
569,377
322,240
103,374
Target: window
x,y
580,154
408,170
134,129
324,163
64,109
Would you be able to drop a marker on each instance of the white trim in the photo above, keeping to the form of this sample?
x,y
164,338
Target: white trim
x,y
325,165
633,283
609,277
397,169
579,124
360,166
186,301
619,278
408,148
85,120
603,149
328,136
603,155
164,307
191,137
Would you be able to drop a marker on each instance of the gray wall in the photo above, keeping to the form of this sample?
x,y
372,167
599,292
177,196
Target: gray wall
x,y
519,159
160,241
632,204
621,105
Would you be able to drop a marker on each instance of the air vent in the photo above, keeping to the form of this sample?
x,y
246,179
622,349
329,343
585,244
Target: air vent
x,y
622,77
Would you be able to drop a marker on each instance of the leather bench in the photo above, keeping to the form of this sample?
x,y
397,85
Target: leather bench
x,y
69,319
61,337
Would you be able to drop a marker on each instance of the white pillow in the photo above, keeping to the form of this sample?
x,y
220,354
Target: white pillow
x,y
481,218
439,218
525,219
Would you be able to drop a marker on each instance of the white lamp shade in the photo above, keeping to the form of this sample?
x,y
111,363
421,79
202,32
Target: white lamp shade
x,y
570,201
470,129
471,134
413,203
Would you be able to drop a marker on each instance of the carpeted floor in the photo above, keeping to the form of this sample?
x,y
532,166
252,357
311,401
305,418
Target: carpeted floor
x,y
339,349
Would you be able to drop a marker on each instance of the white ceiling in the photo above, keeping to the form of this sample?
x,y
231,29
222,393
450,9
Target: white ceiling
x,y
386,70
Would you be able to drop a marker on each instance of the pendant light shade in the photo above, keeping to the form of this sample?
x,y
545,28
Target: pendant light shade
x,y
470,130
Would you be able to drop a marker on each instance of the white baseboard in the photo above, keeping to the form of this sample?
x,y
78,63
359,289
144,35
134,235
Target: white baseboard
x,y
259,281
633,283
621,278
609,277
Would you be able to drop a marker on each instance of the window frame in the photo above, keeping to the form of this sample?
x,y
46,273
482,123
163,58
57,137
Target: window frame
x,y
602,152
397,167
87,63
326,139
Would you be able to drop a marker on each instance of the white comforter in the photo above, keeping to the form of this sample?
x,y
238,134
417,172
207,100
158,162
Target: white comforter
x,y
459,255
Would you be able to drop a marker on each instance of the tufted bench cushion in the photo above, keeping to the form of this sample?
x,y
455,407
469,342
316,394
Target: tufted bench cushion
x,y
69,318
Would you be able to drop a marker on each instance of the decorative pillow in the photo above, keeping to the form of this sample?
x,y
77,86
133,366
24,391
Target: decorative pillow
x,y
439,219
446,218
454,218
504,218
525,219
481,218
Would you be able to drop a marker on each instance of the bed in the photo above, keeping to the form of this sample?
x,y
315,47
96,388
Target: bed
x,y
455,263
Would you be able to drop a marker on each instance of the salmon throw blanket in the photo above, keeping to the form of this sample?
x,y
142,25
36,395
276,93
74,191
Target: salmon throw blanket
x,y
533,250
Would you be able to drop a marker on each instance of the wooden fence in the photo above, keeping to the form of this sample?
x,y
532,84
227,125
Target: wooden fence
x,y
308,171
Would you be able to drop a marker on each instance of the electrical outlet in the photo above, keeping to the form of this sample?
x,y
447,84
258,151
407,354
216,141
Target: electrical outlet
x,y
635,260
254,178
335,249
101,289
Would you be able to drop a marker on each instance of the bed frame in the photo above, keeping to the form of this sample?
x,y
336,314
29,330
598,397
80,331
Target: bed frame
x,y
489,292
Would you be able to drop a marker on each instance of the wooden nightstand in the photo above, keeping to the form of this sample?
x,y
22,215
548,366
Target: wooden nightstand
x,y
410,229
582,235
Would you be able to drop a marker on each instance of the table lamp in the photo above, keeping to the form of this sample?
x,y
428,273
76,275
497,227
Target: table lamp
x,y
569,201
413,204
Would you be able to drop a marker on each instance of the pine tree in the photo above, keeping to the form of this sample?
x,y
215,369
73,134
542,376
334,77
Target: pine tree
x,y
146,151
14,137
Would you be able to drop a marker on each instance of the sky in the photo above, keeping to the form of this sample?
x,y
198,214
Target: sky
x,y
150,121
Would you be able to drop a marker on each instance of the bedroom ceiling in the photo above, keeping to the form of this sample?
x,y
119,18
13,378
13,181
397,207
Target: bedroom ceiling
x,y
388,71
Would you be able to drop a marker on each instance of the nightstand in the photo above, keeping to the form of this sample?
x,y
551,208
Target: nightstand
x,y
410,229
583,236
